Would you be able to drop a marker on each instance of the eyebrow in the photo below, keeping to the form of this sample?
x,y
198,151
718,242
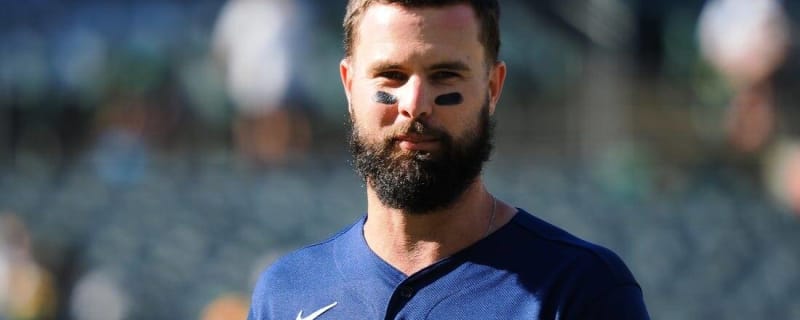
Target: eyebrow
x,y
447,65
450,65
383,65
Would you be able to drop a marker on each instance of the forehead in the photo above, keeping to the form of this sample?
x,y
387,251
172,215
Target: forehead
x,y
453,16
388,28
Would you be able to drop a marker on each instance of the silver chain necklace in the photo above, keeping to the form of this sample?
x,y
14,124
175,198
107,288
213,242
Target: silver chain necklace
x,y
491,220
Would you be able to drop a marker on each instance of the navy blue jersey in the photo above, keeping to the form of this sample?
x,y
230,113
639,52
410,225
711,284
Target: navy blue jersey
x,y
527,269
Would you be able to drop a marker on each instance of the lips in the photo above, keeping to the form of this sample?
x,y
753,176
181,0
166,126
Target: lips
x,y
416,138
413,142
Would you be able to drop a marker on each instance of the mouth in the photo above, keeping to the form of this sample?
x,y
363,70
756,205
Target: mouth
x,y
417,142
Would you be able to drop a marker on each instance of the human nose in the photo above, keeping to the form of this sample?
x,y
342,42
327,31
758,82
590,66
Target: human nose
x,y
413,102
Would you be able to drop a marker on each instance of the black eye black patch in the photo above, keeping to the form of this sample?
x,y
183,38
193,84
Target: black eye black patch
x,y
449,99
384,98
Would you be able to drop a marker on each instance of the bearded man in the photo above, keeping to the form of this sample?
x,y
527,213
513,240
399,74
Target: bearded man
x,y
423,79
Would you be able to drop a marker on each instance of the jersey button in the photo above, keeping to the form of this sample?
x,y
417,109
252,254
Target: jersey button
x,y
407,292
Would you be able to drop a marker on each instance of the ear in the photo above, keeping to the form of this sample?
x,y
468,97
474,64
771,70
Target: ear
x,y
497,77
346,73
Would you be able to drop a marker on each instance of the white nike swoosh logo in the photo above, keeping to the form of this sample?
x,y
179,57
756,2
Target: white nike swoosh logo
x,y
316,313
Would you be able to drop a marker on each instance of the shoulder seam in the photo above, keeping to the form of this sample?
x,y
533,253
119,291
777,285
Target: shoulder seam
x,y
596,298
588,248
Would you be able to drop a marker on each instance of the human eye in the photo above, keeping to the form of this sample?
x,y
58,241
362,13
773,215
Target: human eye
x,y
445,76
393,76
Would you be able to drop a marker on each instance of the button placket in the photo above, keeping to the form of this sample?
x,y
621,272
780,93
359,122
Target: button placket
x,y
407,291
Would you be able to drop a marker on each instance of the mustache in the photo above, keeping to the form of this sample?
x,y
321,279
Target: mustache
x,y
417,127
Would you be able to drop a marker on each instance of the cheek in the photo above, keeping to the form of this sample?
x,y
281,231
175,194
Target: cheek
x,y
374,113
466,127
370,117
463,120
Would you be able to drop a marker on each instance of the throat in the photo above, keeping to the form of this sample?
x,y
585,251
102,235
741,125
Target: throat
x,y
410,250
410,243
414,257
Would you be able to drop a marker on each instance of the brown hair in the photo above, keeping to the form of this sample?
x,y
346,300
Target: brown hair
x,y
487,12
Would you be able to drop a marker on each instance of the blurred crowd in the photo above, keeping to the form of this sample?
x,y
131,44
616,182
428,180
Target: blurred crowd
x,y
156,155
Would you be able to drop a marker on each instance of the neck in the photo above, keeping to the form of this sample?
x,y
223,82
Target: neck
x,y
411,242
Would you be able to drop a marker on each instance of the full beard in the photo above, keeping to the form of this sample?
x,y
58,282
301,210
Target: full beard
x,y
419,182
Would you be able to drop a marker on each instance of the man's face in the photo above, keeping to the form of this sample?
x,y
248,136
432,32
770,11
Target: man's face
x,y
420,94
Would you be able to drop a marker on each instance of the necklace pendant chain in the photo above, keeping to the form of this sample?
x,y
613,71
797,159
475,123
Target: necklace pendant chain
x,y
491,220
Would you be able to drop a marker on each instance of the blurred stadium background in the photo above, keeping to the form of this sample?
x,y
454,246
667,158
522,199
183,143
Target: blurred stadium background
x,y
156,155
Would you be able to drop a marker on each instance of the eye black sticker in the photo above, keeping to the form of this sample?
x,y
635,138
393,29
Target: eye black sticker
x,y
449,99
384,98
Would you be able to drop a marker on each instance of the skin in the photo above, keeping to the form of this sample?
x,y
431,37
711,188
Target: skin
x,y
417,55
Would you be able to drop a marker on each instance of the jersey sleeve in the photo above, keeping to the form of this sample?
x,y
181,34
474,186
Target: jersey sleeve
x,y
611,291
259,303
623,303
